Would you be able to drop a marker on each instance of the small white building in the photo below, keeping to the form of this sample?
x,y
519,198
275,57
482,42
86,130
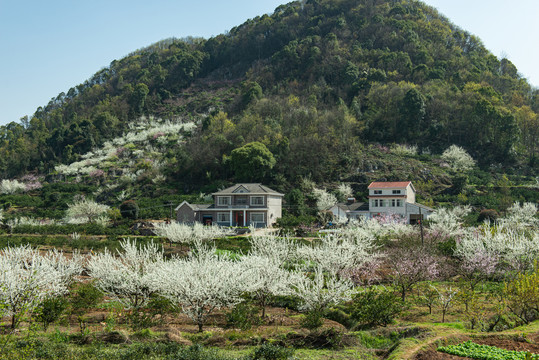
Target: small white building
x,y
351,209
397,198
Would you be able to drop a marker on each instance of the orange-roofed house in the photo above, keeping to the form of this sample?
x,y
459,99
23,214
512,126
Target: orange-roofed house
x,y
396,197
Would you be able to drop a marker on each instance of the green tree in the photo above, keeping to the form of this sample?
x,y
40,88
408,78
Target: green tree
x,y
413,112
252,161
138,98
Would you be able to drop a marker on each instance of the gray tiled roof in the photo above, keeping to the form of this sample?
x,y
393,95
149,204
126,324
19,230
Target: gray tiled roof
x,y
356,206
250,189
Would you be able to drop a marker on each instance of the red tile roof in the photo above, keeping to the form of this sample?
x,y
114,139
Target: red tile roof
x,y
394,184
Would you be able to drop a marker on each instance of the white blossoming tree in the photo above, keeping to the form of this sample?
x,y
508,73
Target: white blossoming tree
x,y
83,211
281,250
127,276
448,221
190,234
27,278
521,216
345,190
458,158
339,252
324,199
318,292
268,277
11,186
202,283
503,244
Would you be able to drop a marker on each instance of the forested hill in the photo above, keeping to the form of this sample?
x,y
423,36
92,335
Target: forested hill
x,y
318,82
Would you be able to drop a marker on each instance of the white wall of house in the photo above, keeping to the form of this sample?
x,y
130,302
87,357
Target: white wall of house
x,y
387,205
394,200
408,192
274,205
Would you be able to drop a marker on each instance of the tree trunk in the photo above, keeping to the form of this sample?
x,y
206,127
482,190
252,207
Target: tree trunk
x,y
263,304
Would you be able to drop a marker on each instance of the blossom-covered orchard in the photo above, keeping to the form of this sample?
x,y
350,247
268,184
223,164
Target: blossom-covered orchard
x,y
319,274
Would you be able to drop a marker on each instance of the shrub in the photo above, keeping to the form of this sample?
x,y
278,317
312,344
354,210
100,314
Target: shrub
x,y
341,316
83,297
522,296
286,301
243,316
270,352
375,307
50,310
152,314
129,209
312,320
328,338
197,352
489,215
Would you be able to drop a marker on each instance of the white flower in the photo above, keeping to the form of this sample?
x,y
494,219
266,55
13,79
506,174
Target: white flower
x,y
458,158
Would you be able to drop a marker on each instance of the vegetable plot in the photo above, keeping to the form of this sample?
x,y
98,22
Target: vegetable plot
x,y
485,352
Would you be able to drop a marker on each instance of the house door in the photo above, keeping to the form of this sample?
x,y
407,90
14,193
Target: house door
x,y
414,218
239,219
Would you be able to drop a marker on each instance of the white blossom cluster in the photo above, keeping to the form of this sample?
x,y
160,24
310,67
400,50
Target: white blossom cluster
x,y
203,282
324,199
83,211
338,252
27,278
320,291
513,240
129,277
345,190
458,158
521,216
190,234
121,153
404,150
11,186
24,220
449,221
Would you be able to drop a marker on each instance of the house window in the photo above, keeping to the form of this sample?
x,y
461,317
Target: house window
x,y
393,202
257,218
377,192
241,200
399,202
223,200
396,191
223,217
257,200
377,203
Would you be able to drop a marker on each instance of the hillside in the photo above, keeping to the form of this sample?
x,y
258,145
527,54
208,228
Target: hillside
x,y
327,86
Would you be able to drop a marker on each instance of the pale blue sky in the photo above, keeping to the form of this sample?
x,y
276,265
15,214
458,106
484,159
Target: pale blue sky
x,y
51,46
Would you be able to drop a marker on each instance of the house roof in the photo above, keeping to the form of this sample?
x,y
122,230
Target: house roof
x,y
194,207
248,188
357,206
389,184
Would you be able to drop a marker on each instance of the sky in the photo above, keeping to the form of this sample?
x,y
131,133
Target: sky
x,y
47,47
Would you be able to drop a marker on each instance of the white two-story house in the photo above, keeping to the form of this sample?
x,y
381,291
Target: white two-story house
x,y
239,205
398,198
